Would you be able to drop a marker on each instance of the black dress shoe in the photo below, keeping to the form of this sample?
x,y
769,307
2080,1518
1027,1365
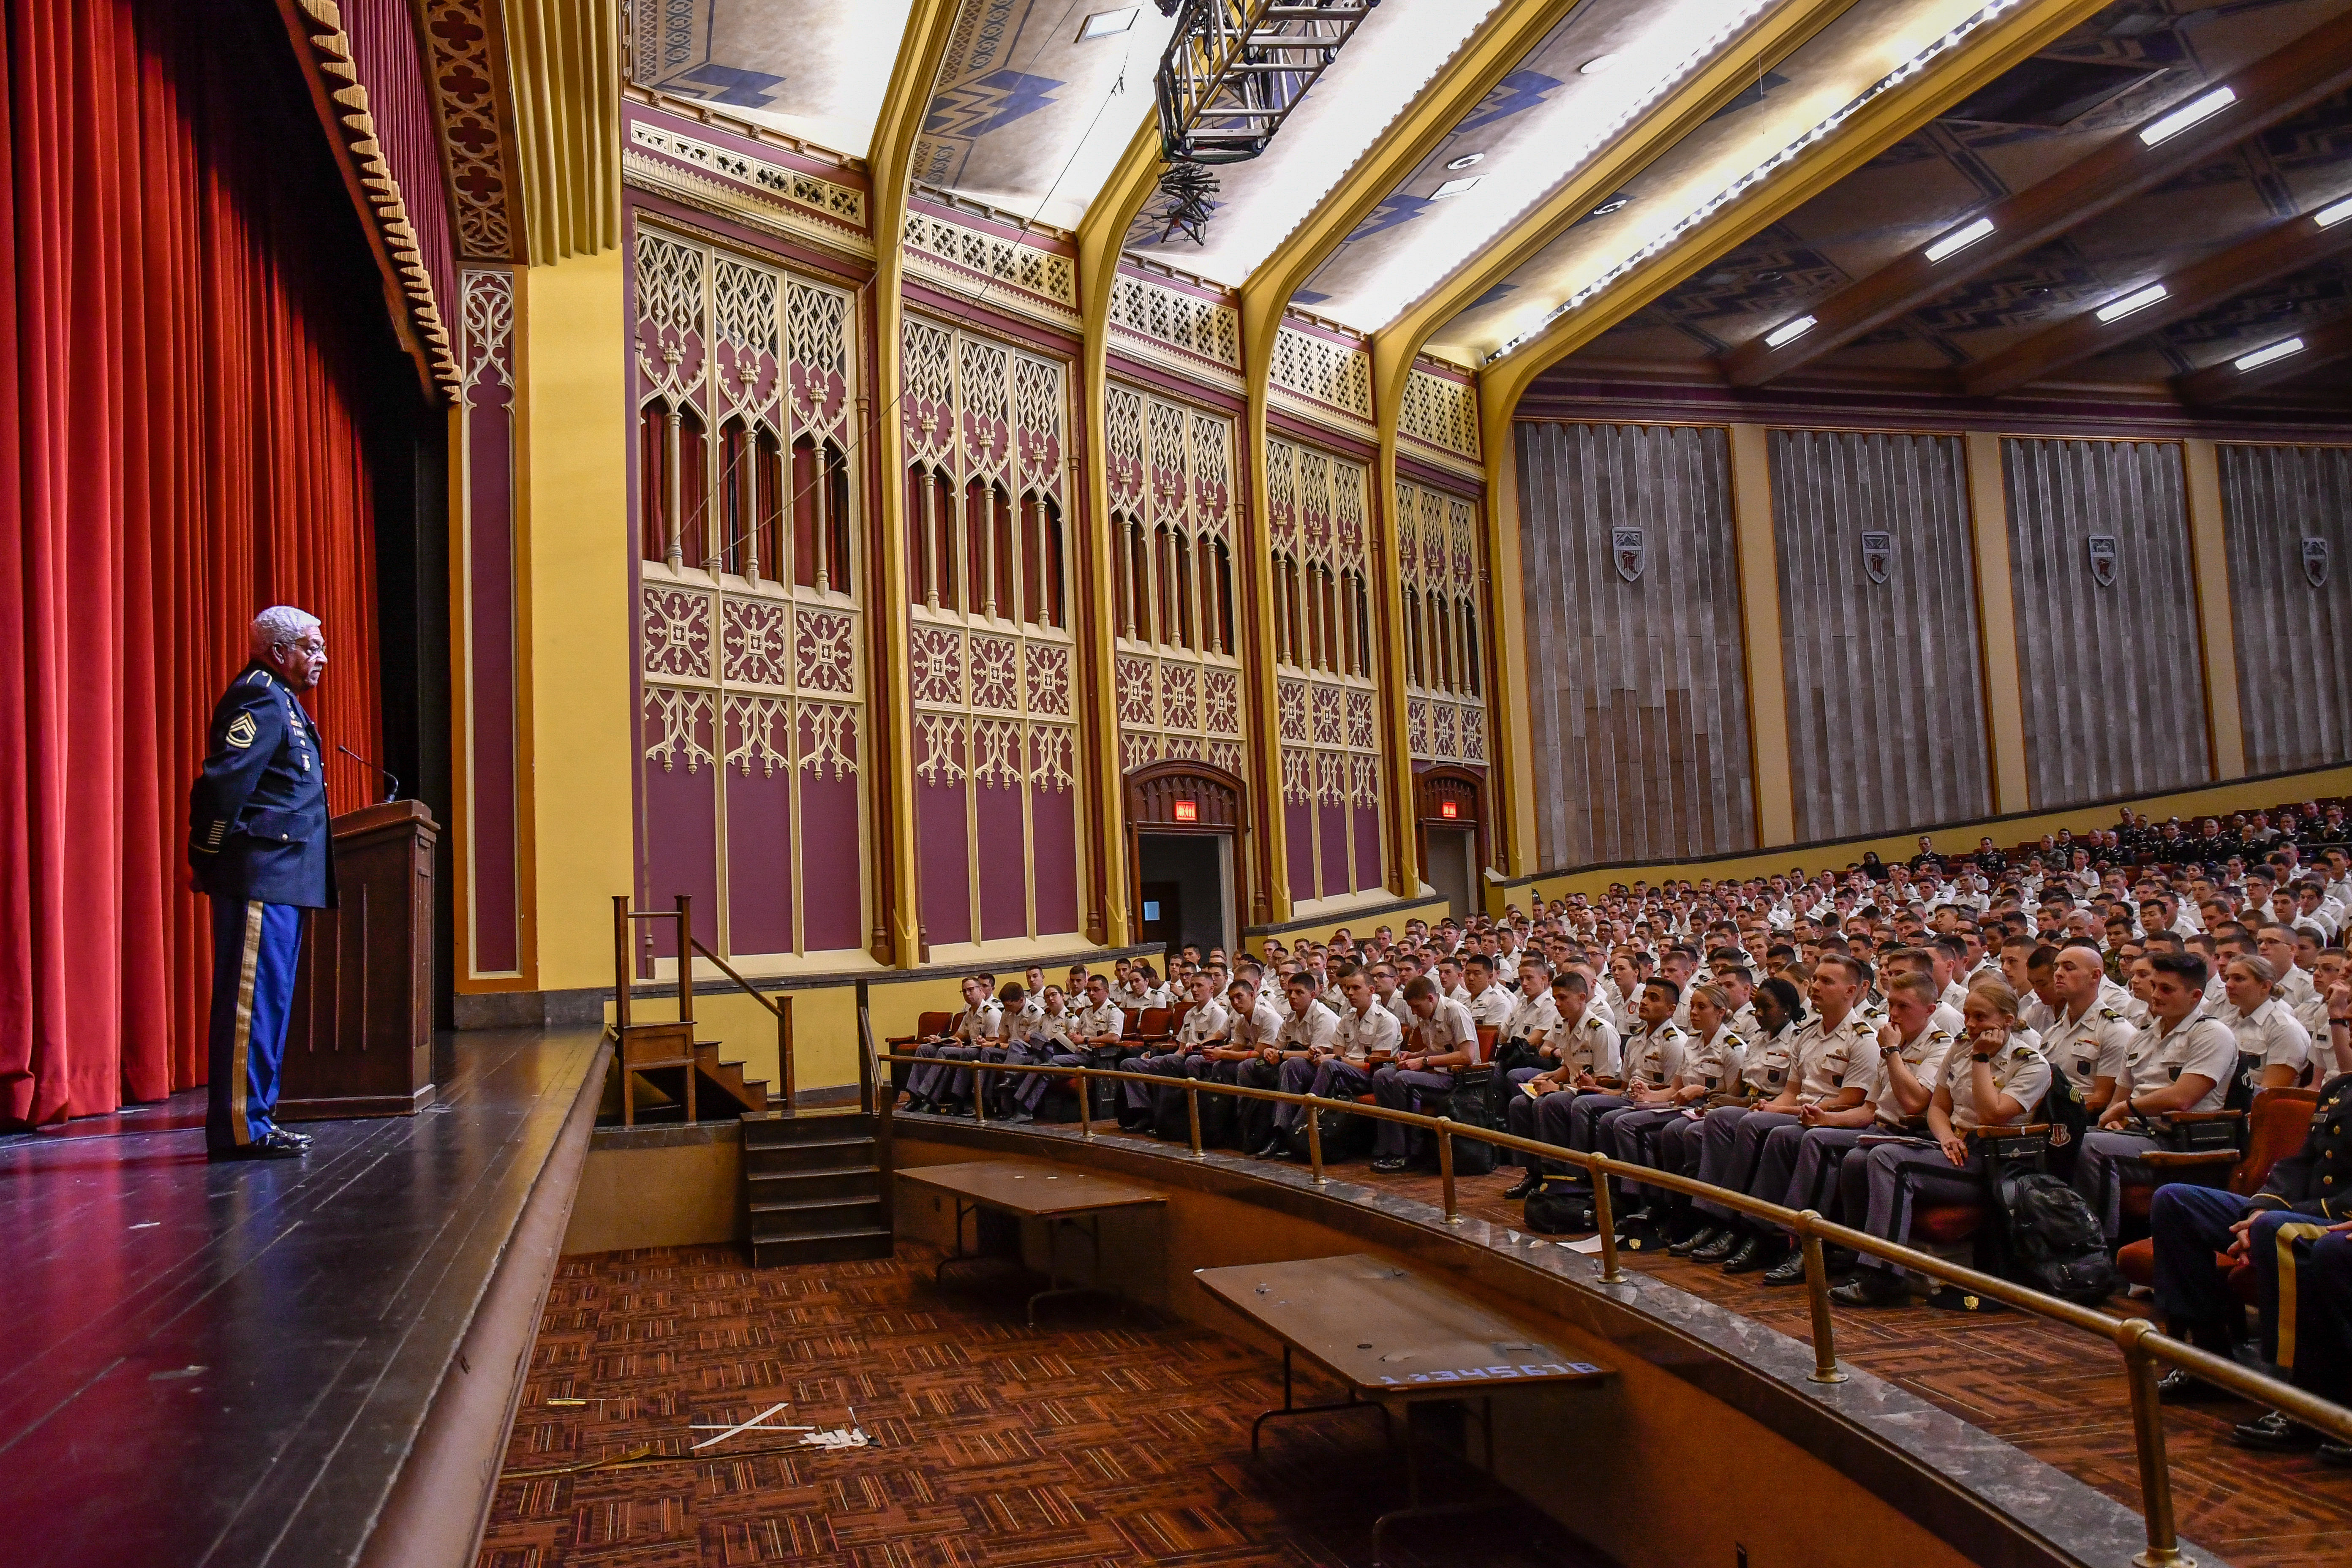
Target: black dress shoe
x,y
1790,1270
269,1146
1270,1151
1872,1287
1387,1167
2275,1434
1524,1186
302,1137
2337,1454
1727,1242
1753,1254
1689,1246
2181,1387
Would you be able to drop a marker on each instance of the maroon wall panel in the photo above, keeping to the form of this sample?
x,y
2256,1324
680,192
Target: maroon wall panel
x,y
490,618
1003,879
758,838
943,852
681,816
1298,833
833,915
1369,868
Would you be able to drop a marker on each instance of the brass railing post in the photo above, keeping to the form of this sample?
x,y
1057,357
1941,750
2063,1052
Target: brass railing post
x,y
1817,1290
784,1054
1602,1216
1445,1167
2148,1437
1314,1141
1086,1101
621,974
1193,1115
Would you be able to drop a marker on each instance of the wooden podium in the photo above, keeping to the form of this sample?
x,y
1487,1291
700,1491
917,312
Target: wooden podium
x,y
360,1042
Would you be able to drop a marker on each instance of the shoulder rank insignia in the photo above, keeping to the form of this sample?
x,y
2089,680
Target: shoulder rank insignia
x,y
258,678
241,732
1940,1034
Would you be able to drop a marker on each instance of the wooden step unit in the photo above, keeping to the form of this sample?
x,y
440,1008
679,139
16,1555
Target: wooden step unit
x,y
814,1188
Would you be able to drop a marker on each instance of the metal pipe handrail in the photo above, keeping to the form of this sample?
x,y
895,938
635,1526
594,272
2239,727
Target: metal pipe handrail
x,y
2142,1344
624,980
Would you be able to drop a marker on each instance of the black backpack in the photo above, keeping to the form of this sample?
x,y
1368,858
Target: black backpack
x,y
1332,1128
1560,1209
2054,1243
1468,1104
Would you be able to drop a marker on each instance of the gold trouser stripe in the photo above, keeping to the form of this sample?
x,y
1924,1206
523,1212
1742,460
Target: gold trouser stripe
x,y
240,1053
2288,1234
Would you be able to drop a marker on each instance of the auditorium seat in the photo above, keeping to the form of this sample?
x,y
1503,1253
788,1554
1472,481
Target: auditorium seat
x,y
2280,1120
926,1026
1949,1224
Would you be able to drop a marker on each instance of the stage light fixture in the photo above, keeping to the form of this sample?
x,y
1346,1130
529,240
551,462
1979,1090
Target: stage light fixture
x,y
2271,356
1468,160
1959,240
2328,217
2190,113
1455,188
1107,24
2138,300
1597,64
1790,331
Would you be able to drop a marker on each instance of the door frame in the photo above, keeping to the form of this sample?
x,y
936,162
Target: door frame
x,y
1431,788
1218,799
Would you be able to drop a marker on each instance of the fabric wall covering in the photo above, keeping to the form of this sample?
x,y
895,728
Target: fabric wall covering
x,y
191,338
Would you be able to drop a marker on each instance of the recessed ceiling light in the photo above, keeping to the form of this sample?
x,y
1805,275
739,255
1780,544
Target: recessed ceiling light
x,y
1614,204
1455,187
1466,160
1597,64
1103,24
2328,217
1788,332
2139,300
2261,357
2189,114
1959,240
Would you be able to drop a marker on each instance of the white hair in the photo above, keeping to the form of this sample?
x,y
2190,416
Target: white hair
x,y
279,624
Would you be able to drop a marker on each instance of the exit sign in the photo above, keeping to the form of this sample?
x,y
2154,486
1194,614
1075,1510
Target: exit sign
x,y
1188,811
1449,809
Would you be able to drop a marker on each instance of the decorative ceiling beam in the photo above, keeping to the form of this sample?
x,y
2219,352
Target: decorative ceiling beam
x,y
2266,365
1102,238
1897,108
2280,84
1395,347
898,934
2281,248
466,63
1478,68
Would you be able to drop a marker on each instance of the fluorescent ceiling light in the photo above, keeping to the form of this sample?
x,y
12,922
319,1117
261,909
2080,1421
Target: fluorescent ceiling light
x,y
1597,64
2261,357
2328,217
1103,24
2139,300
1467,159
1959,240
2187,115
1455,187
1788,332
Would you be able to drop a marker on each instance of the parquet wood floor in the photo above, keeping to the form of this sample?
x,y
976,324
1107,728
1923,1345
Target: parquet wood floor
x,y
994,1445
2058,1394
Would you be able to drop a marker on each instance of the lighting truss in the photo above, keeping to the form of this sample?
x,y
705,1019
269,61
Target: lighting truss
x,y
1236,69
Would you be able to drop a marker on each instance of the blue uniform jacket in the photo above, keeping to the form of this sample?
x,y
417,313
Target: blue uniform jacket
x,y
257,812
2316,1179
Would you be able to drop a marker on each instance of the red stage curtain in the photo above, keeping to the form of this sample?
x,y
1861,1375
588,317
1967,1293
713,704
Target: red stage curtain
x,y
184,345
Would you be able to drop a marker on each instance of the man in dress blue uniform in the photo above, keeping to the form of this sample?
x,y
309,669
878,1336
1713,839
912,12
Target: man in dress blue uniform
x,y
258,842
2294,1233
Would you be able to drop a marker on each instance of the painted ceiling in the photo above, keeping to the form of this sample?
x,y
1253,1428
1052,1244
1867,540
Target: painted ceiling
x,y
813,68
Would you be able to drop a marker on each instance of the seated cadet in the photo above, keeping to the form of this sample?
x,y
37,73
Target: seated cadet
x,y
2183,1060
1709,1064
1489,1003
1251,1056
1587,1059
1443,1041
2190,1224
1366,1030
2084,1038
1836,1067
1997,1081
1305,1040
1653,1058
1204,1026
1765,1060
1912,1046
928,1087
1020,1008
1519,1042
1385,989
2265,1026
1048,1042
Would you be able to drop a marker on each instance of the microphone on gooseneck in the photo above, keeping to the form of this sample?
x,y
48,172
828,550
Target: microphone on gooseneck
x,y
391,780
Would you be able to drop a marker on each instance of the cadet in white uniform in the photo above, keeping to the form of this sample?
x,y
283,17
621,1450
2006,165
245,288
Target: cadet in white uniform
x,y
1443,1039
1305,1041
1584,1059
1995,1081
1654,1057
2182,1062
1204,1026
2262,1022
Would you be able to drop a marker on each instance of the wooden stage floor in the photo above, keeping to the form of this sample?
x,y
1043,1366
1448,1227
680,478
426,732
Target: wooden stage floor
x,y
226,1365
